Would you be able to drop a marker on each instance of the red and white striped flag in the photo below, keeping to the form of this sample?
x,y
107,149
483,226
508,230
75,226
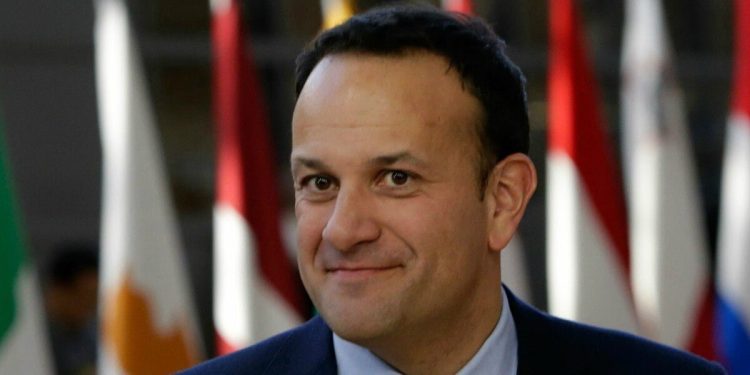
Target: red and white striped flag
x,y
670,267
587,250
733,273
147,316
256,289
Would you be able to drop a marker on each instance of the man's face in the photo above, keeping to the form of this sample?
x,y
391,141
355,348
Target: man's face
x,y
391,229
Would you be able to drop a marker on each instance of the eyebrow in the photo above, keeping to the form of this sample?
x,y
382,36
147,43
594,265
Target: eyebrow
x,y
311,163
383,160
391,159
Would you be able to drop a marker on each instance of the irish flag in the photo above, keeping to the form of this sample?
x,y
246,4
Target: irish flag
x,y
146,312
256,288
733,272
587,249
23,338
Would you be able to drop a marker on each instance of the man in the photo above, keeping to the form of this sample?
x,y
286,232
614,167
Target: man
x,y
409,146
72,279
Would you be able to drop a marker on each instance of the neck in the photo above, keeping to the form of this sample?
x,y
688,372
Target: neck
x,y
444,347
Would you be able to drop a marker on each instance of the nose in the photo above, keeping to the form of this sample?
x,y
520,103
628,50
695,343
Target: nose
x,y
351,223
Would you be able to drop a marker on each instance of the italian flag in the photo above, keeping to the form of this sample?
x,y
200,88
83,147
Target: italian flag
x,y
23,342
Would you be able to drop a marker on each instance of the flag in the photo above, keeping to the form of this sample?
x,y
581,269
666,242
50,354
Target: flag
x,y
256,289
336,12
24,347
587,239
733,310
669,253
147,317
460,6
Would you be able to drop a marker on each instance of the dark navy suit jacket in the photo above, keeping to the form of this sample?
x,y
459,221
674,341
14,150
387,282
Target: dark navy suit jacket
x,y
546,345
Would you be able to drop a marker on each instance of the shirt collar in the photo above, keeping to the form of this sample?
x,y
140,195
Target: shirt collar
x,y
497,355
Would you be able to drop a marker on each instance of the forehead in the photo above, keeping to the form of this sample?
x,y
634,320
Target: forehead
x,y
414,97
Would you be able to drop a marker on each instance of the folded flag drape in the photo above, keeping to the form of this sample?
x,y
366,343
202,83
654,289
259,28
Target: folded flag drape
x,y
733,274
669,251
256,288
147,317
587,237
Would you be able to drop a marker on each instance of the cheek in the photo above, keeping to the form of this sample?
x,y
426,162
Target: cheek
x,y
311,221
446,237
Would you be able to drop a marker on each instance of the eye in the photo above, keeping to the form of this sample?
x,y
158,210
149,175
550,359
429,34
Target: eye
x,y
317,188
396,178
319,183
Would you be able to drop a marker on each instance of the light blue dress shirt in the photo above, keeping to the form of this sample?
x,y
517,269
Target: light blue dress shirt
x,y
498,354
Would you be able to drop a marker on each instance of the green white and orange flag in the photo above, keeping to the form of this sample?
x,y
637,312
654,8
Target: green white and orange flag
x,y
147,317
24,348
336,12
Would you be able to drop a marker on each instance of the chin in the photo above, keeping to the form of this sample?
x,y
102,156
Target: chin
x,y
359,324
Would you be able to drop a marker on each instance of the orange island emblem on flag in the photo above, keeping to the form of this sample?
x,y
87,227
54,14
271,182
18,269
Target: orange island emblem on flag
x,y
139,345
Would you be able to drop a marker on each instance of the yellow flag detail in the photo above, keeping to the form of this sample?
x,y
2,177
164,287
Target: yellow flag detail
x,y
336,12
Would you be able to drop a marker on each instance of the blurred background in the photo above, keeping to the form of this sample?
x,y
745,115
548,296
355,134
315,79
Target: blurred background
x,y
49,106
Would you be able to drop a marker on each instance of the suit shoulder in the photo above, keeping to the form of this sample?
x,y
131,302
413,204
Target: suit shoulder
x,y
623,353
280,351
554,345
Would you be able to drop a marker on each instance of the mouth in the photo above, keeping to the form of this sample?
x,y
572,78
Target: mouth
x,y
358,274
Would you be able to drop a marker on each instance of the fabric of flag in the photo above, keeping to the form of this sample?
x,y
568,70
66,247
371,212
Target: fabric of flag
x,y
587,249
336,12
460,6
669,252
148,321
733,310
256,288
24,346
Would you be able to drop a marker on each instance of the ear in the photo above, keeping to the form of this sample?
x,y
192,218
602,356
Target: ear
x,y
509,187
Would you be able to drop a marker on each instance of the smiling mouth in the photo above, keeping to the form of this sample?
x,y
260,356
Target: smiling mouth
x,y
352,274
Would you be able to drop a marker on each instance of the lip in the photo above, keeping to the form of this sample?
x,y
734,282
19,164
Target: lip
x,y
353,274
